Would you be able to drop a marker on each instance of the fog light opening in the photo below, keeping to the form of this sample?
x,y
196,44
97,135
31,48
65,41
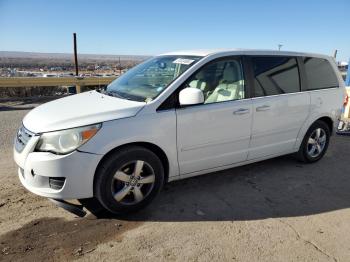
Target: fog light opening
x,y
56,182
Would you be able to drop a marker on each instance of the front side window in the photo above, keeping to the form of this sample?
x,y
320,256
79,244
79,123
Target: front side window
x,y
275,75
219,81
147,80
319,74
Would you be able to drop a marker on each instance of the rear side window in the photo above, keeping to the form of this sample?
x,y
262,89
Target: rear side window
x,y
319,74
275,75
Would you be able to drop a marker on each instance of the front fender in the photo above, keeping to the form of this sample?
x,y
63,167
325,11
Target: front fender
x,y
155,128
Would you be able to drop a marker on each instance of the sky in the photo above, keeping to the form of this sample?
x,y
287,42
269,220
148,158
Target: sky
x,y
151,27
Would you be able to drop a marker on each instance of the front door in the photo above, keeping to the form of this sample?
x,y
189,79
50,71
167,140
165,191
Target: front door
x,y
216,133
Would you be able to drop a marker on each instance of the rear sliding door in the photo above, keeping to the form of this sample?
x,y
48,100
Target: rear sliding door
x,y
279,108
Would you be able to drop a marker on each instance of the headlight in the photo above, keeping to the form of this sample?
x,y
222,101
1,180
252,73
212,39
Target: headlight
x,y
66,141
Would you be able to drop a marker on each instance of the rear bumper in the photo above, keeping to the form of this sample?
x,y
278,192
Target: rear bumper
x,y
344,128
76,170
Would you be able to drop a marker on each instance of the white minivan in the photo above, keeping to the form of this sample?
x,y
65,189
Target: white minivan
x,y
174,116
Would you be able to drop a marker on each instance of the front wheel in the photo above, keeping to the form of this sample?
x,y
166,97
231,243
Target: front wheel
x,y
315,143
129,180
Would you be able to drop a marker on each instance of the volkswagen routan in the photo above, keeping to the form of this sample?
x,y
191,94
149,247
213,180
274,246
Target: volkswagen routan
x,y
175,116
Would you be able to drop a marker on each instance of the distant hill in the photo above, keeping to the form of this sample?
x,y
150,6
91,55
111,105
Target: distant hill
x,y
60,56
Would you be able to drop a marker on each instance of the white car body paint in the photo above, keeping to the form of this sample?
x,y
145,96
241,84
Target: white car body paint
x,y
277,124
196,140
79,110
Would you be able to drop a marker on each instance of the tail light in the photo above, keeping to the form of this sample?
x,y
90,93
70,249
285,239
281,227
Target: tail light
x,y
346,100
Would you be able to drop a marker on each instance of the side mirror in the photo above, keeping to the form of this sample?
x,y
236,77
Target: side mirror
x,y
191,96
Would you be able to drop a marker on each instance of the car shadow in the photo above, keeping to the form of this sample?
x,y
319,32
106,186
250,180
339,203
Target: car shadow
x,y
56,239
280,187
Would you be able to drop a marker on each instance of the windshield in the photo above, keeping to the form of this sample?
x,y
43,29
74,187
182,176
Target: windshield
x,y
147,80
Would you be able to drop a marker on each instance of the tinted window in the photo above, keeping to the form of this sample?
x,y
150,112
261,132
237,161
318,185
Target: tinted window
x,y
275,75
319,74
219,80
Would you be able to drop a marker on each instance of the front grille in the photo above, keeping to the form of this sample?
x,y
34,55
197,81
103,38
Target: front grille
x,y
22,138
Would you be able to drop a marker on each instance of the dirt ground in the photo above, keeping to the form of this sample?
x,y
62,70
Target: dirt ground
x,y
275,210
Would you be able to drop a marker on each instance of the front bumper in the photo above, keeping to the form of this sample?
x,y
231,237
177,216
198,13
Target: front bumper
x,y
77,170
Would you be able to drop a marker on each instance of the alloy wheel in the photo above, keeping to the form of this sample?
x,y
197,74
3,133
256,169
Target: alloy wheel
x,y
316,142
133,182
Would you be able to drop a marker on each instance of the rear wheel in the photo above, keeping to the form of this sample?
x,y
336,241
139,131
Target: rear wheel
x,y
128,180
315,143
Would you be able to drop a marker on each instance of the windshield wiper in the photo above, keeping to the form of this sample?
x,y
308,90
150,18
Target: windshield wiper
x,y
114,94
126,96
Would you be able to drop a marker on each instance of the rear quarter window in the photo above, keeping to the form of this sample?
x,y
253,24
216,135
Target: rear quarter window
x,y
319,74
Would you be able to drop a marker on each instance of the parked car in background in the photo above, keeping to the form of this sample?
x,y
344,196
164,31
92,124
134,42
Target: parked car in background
x,y
50,75
175,116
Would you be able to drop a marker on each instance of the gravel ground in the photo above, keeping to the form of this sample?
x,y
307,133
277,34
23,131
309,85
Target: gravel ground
x,y
275,210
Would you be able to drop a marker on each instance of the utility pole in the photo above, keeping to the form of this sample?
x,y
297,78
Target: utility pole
x,y
120,67
75,54
279,47
77,87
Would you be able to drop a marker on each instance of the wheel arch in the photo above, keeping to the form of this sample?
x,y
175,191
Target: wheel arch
x,y
326,118
328,121
150,146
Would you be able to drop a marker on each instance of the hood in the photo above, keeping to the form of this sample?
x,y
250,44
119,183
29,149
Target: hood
x,y
79,110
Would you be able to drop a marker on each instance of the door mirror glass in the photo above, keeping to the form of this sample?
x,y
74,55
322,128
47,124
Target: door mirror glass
x,y
191,96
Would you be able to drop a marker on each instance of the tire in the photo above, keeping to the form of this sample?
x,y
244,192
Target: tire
x,y
312,147
128,180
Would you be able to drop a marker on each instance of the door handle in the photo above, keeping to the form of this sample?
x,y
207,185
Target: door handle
x,y
241,111
263,108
